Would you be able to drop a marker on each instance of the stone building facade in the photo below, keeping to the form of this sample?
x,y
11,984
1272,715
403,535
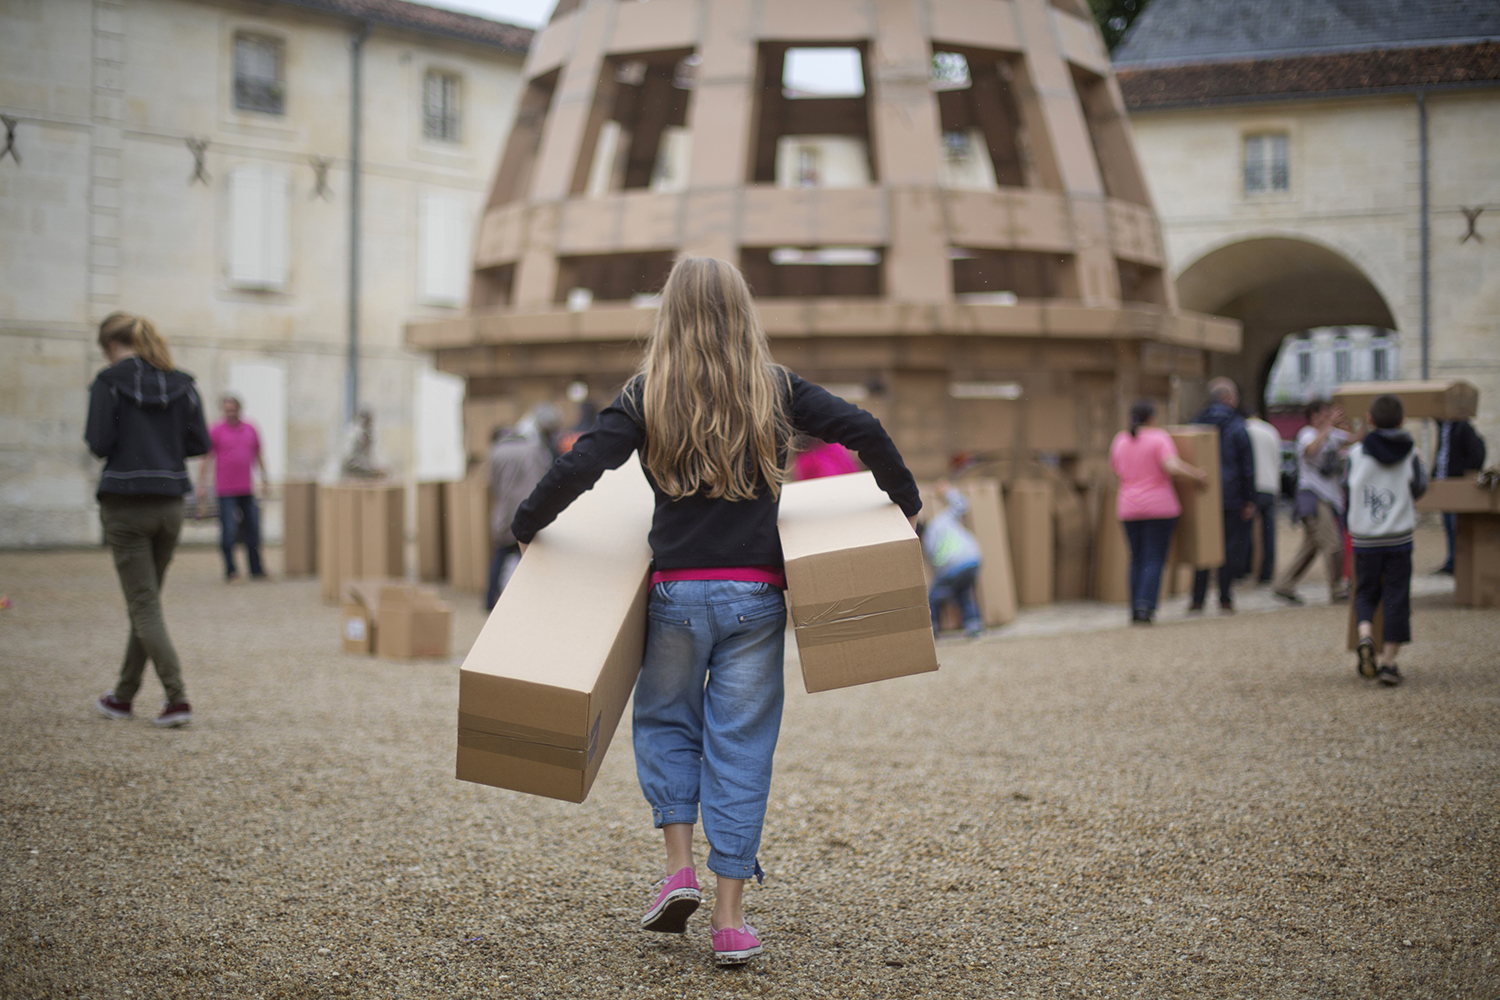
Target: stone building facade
x,y
189,160
1292,148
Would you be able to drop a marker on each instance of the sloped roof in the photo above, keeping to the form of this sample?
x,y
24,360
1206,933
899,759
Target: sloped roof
x,y
428,20
1176,32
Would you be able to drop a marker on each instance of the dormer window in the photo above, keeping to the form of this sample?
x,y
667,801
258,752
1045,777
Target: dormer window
x,y
259,84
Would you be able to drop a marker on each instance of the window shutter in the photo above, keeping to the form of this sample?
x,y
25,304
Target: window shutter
x,y
259,252
442,250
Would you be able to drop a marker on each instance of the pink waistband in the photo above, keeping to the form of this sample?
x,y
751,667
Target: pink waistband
x,y
741,574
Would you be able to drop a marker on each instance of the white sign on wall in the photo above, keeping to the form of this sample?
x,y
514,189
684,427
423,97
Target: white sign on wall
x,y
439,431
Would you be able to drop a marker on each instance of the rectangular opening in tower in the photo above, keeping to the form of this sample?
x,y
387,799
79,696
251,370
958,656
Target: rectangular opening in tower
x,y
1002,277
983,141
813,272
1110,136
637,135
610,277
1141,283
513,179
812,116
492,287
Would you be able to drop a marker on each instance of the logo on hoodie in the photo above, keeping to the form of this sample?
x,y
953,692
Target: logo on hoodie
x,y
1379,503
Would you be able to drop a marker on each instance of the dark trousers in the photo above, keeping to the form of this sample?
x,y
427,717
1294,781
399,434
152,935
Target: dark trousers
x,y
240,515
1384,578
497,566
142,533
1450,528
1265,505
1149,541
1236,557
957,585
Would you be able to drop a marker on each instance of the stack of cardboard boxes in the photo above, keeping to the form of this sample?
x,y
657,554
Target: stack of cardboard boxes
x,y
361,532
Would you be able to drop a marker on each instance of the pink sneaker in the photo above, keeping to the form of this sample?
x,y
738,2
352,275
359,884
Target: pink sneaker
x,y
735,946
678,898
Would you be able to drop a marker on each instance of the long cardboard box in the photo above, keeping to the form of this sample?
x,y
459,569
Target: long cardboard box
x,y
1459,496
1199,538
1437,399
1029,514
855,583
544,685
299,514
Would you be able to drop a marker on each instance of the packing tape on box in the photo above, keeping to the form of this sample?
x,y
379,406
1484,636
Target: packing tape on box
x,y
862,617
479,725
541,753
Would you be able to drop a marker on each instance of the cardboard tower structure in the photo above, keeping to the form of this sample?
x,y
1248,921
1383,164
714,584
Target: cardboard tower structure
x,y
958,237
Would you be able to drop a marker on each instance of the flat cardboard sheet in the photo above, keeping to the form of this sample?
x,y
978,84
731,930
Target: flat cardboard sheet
x,y
299,513
856,586
1199,538
1029,510
432,533
996,588
543,687
1111,551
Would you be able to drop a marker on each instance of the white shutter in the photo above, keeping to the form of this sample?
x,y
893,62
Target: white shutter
x,y
442,249
258,231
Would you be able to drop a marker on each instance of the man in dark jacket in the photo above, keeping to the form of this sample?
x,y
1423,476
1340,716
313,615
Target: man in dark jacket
x,y
1237,470
1460,450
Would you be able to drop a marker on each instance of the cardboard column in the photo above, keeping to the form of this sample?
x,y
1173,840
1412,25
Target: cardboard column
x,y
299,513
1028,507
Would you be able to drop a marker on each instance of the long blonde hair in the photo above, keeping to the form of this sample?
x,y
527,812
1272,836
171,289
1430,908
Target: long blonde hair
x,y
714,403
136,333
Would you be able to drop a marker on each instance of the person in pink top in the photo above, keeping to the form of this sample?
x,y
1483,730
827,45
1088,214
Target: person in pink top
x,y
234,453
1145,460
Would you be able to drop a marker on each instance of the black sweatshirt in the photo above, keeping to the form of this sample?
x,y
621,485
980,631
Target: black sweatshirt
x,y
698,531
145,423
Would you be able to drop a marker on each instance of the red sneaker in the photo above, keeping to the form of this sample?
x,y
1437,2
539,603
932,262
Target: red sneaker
x,y
111,707
178,713
735,946
678,898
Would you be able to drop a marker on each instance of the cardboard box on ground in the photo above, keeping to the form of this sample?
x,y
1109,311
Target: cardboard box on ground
x,y
394,619
995,590
361,530
856,584
299,512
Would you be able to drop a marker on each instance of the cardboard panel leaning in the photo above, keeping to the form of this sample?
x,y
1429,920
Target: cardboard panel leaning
x,y
855,583
544,685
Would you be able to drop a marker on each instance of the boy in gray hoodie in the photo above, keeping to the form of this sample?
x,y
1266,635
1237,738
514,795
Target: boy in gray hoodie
x,y
1385,479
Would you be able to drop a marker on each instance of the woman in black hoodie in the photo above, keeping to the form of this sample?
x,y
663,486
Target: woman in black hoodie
x,y
145,420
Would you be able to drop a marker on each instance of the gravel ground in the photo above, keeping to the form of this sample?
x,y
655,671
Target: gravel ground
x,y
1220,808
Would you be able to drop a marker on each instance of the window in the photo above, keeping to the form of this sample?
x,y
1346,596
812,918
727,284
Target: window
x,y
1266,167
1304,362
258,83
822,72
258,246
1342,369
1380,360
440,109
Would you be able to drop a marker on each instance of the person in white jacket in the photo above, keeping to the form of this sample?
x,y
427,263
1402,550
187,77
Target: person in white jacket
x,y
1385,479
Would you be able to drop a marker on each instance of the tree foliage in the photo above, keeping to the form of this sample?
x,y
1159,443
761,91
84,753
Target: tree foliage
x,y
1115,16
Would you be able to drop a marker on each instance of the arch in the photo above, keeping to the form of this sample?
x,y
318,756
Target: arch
x,y
1276,285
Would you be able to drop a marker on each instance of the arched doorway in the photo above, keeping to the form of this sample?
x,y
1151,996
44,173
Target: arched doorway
x,y
1275,286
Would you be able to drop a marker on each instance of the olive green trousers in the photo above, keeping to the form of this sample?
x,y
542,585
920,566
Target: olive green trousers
x,y
142,533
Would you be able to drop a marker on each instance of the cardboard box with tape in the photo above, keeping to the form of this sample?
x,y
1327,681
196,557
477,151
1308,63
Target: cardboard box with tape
x,y
856,587
543,687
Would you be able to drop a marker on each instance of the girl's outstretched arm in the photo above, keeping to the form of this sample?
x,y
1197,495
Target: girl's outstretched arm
x,y
614,437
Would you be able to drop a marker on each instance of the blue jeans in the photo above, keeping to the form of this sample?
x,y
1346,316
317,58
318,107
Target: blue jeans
x,y
1149,541
708,712
235,514
956,584
1265,505
1450,528
497,570
1237,532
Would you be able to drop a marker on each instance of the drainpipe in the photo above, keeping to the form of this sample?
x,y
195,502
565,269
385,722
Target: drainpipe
x,y
1426,261
356,57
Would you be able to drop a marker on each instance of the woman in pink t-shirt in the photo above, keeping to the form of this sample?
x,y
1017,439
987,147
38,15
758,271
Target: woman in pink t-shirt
x,y
1145,460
